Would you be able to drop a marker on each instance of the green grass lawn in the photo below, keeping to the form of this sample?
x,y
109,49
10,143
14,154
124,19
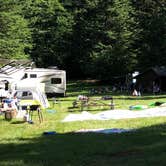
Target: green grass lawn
x,y
23,144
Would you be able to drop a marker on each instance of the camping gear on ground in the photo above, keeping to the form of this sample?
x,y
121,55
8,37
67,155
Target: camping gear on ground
x,y
26,117
10,114
49,133
158,103
9,108
137,107
9,103
99,90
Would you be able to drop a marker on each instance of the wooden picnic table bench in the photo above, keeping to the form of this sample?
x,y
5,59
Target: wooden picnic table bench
x,y
93,102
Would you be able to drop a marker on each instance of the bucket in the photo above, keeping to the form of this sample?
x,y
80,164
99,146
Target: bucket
x,y
10,114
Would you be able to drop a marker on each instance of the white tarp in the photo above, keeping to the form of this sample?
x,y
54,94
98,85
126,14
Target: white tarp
x,y
116,114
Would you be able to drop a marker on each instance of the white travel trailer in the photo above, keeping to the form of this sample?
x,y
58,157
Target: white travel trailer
x,y
54,79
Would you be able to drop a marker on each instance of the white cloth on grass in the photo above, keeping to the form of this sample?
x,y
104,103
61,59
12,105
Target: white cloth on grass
x,y
116,114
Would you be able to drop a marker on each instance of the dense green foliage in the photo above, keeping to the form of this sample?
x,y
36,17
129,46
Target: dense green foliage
x,y
88,38
151,43
50,23
15,36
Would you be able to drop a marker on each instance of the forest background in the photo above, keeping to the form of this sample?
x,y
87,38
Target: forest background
x,y
88,38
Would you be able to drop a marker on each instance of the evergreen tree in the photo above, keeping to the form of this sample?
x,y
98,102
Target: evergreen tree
x,y
50,24
151,44
114,55
102,39
15,36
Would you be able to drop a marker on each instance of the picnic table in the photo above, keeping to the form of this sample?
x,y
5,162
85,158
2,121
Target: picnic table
x,y
93,102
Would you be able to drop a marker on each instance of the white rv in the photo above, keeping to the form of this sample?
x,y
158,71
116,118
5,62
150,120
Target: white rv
x,y
53,78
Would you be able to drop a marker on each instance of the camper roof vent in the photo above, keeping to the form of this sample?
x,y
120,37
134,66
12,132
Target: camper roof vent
x,y
52,67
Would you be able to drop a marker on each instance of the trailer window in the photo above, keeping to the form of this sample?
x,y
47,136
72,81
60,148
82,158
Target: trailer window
x,y
33,75
56,80
24,94
25,76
